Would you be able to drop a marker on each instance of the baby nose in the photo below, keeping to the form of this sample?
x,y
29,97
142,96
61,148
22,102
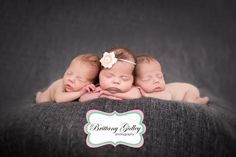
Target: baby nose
x,y
156,80
72,79
116,81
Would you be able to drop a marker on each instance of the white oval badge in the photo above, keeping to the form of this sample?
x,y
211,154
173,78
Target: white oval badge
x,y
114,128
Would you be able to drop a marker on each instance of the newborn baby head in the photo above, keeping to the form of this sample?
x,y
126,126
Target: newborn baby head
x,y
117,70
149,75
82,71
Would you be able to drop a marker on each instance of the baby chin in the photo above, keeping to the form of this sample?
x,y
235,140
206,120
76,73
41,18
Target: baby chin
x,y
114,90
68,88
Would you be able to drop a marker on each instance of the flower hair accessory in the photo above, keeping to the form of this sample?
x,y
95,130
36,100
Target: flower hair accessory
x,y
109,59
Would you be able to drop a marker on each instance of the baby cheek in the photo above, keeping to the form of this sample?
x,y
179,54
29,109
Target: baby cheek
x,y
79,85
125,86
142,83
148,88
105,84
104,81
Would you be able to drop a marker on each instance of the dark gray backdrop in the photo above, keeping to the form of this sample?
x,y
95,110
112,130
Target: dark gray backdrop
x,y
194,40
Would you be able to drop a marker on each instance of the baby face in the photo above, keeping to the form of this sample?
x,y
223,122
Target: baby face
x,y
150,77
118,79
76,76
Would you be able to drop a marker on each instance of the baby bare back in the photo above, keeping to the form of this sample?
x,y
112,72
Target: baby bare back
x,y
49,93
182,91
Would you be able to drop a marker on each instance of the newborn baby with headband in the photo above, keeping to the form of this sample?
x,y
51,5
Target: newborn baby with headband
x,y
116,77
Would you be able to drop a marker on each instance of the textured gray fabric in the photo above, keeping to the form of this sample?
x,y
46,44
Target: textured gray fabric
x,y
172,129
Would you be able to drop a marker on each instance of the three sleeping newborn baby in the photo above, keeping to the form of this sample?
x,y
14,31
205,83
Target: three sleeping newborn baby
x,y
121,76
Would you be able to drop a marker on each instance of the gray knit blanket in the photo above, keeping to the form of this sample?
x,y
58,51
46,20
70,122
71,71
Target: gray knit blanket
x,y
172,129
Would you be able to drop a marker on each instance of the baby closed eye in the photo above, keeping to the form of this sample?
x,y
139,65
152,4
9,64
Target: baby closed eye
x,y
147,78
109,75
81,79
159,76
125,78
69,73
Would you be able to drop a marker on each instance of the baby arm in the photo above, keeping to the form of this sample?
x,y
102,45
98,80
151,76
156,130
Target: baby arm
x,y
133,93
165,95
61,96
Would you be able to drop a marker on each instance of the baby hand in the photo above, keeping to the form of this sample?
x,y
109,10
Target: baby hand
x,y
98,89
107,94
143,93
109,97
88,88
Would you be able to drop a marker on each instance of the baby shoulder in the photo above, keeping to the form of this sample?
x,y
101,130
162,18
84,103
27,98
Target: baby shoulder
x,y
135,91
56,86
180,85
57,83
134,88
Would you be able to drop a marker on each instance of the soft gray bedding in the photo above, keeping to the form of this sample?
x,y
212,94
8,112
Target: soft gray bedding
x,y
172,129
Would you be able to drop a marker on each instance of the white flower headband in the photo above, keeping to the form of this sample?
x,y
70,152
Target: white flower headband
x,y
109,59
